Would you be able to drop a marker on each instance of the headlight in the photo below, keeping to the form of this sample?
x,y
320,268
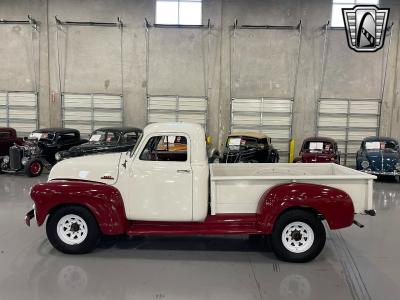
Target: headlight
x,y
6,159
365,164
398,166
24,160
58,156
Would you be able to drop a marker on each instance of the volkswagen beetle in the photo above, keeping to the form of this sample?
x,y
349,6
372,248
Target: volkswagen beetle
x,y
379,156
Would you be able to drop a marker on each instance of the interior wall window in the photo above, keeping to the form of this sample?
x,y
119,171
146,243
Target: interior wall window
x,y
337,5
179,12
165,148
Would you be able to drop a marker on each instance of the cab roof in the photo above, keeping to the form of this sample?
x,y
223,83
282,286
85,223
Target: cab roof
x,y
319,139
378,138
59,130
253,134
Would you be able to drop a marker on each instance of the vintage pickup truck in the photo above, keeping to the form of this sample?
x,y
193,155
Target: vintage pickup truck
x,y
165,186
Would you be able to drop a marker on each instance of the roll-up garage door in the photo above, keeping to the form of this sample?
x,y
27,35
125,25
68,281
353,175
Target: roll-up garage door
x,y
19,110
348,122
87,112
270,116
177,109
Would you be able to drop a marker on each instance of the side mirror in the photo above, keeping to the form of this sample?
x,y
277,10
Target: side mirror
x,y
25,138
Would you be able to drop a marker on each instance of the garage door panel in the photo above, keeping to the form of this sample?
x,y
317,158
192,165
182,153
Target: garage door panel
x,y
333,107
108,116
328,121
349,122
365,107
337,134
21,114
272,117
160,117
177,109
107,101
87,112
78,115
77,101
19,110
192,117
83,128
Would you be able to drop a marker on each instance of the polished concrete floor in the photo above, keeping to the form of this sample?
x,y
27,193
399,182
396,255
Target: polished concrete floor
x,y
355,264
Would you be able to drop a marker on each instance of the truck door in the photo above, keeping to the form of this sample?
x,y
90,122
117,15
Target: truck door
x,y
162,180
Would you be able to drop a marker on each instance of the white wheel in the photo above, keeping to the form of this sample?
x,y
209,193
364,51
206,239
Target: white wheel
x,y
72,229
297,237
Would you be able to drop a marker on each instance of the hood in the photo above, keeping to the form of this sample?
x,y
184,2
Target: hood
x,y
309,157
386,159
99,168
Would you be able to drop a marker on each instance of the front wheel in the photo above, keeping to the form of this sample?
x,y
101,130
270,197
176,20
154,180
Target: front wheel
x,y
33,168
298,236
73,230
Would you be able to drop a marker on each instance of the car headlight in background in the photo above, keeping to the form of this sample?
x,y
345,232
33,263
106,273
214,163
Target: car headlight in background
x,y
365,164
58,156
6,159
398,166
24,161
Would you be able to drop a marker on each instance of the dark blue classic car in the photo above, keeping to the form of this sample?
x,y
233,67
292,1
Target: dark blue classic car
x,y
379,156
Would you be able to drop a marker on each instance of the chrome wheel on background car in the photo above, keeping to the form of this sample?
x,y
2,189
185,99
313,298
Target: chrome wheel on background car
x,y
33,168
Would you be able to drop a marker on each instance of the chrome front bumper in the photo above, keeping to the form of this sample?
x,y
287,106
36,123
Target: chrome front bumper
x,y
29,216
393,173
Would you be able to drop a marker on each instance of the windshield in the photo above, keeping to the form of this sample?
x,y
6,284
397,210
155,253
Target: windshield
x,y
237,142
41,136
103,137
381,145
318,147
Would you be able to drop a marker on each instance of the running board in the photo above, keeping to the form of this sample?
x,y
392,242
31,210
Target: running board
x,y
213,225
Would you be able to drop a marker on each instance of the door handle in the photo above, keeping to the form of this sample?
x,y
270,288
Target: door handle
x,y
183,171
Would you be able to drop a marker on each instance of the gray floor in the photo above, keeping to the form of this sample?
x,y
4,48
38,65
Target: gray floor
x,y
355,264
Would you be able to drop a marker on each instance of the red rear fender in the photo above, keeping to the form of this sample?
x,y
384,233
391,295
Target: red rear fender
x,y
333,204
104,201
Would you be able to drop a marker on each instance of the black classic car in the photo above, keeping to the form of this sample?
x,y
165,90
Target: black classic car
x,y
38,150
107,139
379,156
249,147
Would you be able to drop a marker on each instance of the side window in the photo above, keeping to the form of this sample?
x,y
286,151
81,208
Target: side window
x,y
5,134
130,138
66,138
165,148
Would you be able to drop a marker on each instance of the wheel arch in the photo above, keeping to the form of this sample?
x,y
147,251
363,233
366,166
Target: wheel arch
x,y
303,208
101,200
333,205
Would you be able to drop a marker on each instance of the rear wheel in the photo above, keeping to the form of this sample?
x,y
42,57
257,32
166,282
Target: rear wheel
x,y
298,236
73,230
33,168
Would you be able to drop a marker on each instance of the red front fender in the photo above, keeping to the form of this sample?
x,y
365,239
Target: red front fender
x,y
335,205
104,201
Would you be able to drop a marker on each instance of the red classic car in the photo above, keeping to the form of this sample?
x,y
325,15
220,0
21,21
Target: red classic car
x,y
319,150
8,136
